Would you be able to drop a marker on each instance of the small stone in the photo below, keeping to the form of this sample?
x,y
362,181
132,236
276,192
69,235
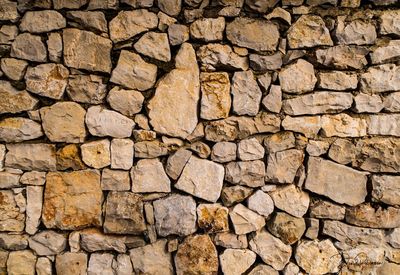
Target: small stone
x,y
286,227
177,162
17,129
69,157
171,8
366,215
350,3
96,154
262,269
343,57
8,11
48,243
127,102
298,77
343,125
244,220
33,178
148,176
234,194
124,214
201,149
196,255
34,203
154,45
217,56
265,62
309,31
381,78
312,228
246,94
391,102
68,4
279,13
71,263
337,80
250,149
279,142
10,178
44,266
342,151
8,33
54,46
164,20
248,173
100,263
123,266
223,152
87,88
115,180
13,68
390,23
178,34
271,250
21,262
29,47
273,101
42,21
282,166
90,20
386,53
356,32
322,209
330,179
365,103
230,240
12,212
262,6
13,241
121,154
150,149
236,261
212,218
385,189
208,29
316,148
39,156
261,203
291,200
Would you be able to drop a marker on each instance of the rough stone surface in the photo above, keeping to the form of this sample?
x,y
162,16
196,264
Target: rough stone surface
x,y
208,29
282,166
42,21
35,156
148,176
214,56
212,218
96,153
297,78
29,47
236,261
286,227
86,88
381,78
154,45
248,173
246,94
244,220
19,129
291,200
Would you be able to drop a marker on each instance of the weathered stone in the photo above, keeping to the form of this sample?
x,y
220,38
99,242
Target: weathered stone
x,y
371,257
236,261
215,95
13,68
44,266
164,21
42,21
54,46
365,103
17,129
273,101
248,173
100,263
86,50
208,29
250,149
356,32
381,78
223,152
218,56
115,180
34,203
386,53
291,200
103,122
312,228
71,263
309,31
124,214
8,11
322,209
127,24
87,88
68,4
245,220
260,6
152,259
261,203
365,215
69,157
390,23
343,57
262,269
96,153
150,149
178,34
234,194
121,154
384,125
271,250
196,255
127,102
256,34
316,148
29,47
385,189
48,243
33,178
123,265
177,162
21,262
391,102
12,211
246,94
148,176
10,178
265,62
90,20
154,45
297,78
8,33
175,214
212,218
171,8
39,156
279,13
337,80
286,227
282,166
230,240
279,142
201,149
13,241
342,151
343,125
318,257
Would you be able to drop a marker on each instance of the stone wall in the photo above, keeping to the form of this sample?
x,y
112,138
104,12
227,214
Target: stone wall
x,y
199,137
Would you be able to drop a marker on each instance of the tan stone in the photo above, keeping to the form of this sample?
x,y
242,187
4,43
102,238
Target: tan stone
x,y
17,129
127,102
286,227
356,32
291,200
236,261
381,78
71,263
245,220
42,21
307,125
217,56
154,45
15,101
343,57
208,29
282,166
366,215
212,218
29,47
69,157
14,68
12,211
343,125
21,262
87,88
96,153
385,189
148,176
25,156
298,77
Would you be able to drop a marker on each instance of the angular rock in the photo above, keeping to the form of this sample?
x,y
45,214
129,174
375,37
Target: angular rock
x,y
246,94
278,142
392,102
17,129
298,77
208,29
261,203
90,20
150,149
100,263
337,80
34,204
322,209
87,88
250,149
12,211
21,262
115,180
356,32
44,266
148,176
365,215
385,189
365,103
212,218
176,162
316,148
178,34
273,101
48,243
286,227
121,154
265,62
261,269
71,263
172,8
8,11
223,152
29,47
234,194
69,157
42,21
96,153
230,240
54,46
370,254
10,178
343,57
342,151
282,166
390,23
8,33
217,56
13,68
386,53
33,178
245,220
127,102
384,125
381,78
39,156
248,173
236,261
291,200
343,125
154,45
68,4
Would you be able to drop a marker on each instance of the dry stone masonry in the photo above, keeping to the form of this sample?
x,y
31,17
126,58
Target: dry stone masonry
x,y
199,137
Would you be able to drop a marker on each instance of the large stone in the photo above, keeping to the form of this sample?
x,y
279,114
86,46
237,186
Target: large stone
x,y
103,122
64,122
323,209
298,77
86,50
217,56
271,250
10,178
42,21
39,156
367,103
291,200
96,153
87,88
176,162
127,24
265,62
365,215
282,166
342,151
201,178
72,200
71,263
233,194
116,180
223,152
248,173
256,34
196,255
236,261
12,211
371,257
8,10
343,57
356,32
381,78
386,53
173,109
69,157
124,214
170,7
148,176
17,129
286,227
386,189
244,220
212,218
48,243
175,214
246,94
154,45
309,31
390,23
391,102
250,149
208,29
261,203
21,262
29,47
327,178
343,125
100,263
383,125
90,20
68,4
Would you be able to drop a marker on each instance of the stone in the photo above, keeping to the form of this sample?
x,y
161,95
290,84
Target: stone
x,y
42,21
279,13
217,56
54,46
250,149
201,149
150,149
109,5
350,3
271,250
390,23
215,95
212,218
279,142
34,204
343,57
115,180
343,125
64,4
10,178
273,101
261,269
90,20
323,209
261,203
248,173
391,102
265,62
244,220
372,256
291,200
223,152
261,6
127,102
13,241
48,243
342,151
154,45
327,178
172,8
96,153
255,34
102,122
178,34
196,255
29,47
9,11
86,50
152,259
282,166
100,263
164,20
21,262
385,189
365,103
123,266
365,215
33,178
173,109
176,162
246,94
64,122
124,214
208,29
312,228
44,266
8,33
316,148
381,78
298,77
337,80
127,24
236,261
121,154
356,32
148,176
69,157
87,88
287,228
39,156
72,200
71,263
386,53
234,194
175,215
309,31
17,129
230,240
318,257
12,211
13,68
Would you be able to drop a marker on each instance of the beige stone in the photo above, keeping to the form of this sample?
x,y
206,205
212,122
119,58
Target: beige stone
x,y
236,261
208,29
291,200
298,77
96,153
154,45
12,211
244,220
14,68
29,47
35,156
71,263
87,88
121,153
217,56
343,125
307,125
127,102
282,166
248,173
246,94
386,53
17,129
381,78
385,189
366,215
42,21
390,23
343,57
286,227
148,176
21,262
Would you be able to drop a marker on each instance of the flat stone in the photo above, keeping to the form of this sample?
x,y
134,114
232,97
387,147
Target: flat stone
x,y
212,218
265,62
316,148
215,95
124,214
150,149
178,34
14,68
309,31
71,263
282,166
234,194
208,29
69,156
90,20
86,50
371,254
96,153
8,33
298,77
250,149
10,178
343,125
171,8
286,227
127,24
322,209
173,109
176,162
12,211
127,102
255,34
9,11
365,215
279,142
261,203
29,47
175,215
33,178
21,262
196,255
356,32
217,56
390,23
386,53
246,94
17,129
327,178
223,152
39,156
148,176
384,125
44,266
48,243
123,265
68,4
109,5
42,21
342,151
244,220
34,204
391,102
318,257
13,241
202,179
271,250
248,173
381,78
230,240
121,154
279,13
385,189
54,46
100,263
236,261
273,101
366,103
154,45
103,122
87,88
291,200
343,57
262,6
337,80
115,180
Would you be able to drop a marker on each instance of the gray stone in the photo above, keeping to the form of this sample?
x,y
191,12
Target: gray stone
x,y
234,194
90,20
208,29
223,152
48,243
273,101
154,45
384,125
177,162
343,57
178,34
236,261
343,125
29,47
291,200
121,154
13,68
96,153
282,166
342,151
10,178
385,189
390,23
100,263
391,102
244,220
13,241
115,180
381,78
389,52
230,240
54,46
87,88
42,21
17,129
215,56
39,156
366,103
248,173
355,32
148,176
261,203
250,149
265,62
246,94
127,102
298,77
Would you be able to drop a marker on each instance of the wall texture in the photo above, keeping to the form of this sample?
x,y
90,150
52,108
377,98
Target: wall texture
x,y
199,137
